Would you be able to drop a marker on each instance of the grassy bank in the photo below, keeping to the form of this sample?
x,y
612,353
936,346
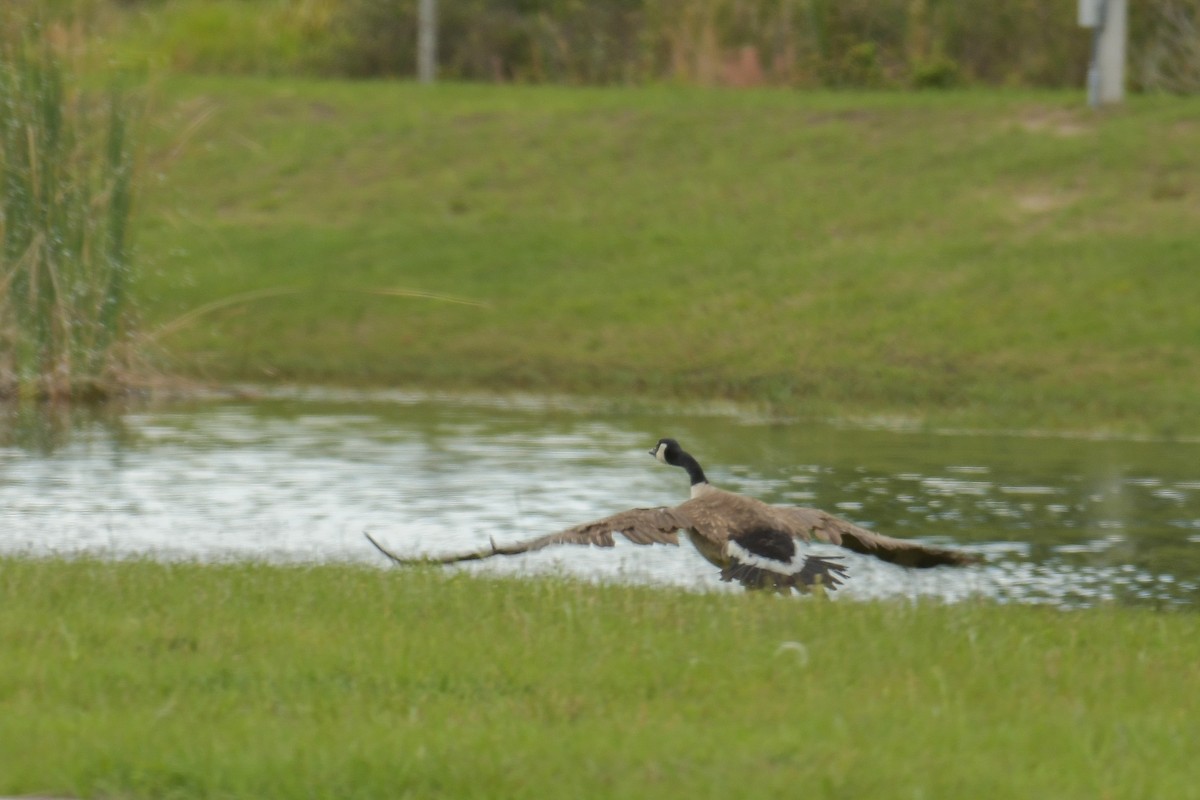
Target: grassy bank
x,y
151,680
976,258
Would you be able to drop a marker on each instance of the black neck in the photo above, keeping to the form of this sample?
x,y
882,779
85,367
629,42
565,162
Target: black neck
x,y
693,468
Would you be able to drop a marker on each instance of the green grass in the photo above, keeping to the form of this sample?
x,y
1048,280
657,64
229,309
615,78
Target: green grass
x,y
265,37
983,258
137,679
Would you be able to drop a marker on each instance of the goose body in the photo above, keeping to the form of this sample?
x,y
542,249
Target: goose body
x,y
751,542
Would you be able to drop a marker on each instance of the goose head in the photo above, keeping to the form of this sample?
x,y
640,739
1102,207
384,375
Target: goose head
x,y
668,451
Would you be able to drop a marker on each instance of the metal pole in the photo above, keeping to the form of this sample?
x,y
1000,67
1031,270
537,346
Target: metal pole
x,y
1099,9
426,40
1110,53
1106,73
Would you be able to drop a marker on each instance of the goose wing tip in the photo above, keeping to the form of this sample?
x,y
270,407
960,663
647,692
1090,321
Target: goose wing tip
x,y
391,556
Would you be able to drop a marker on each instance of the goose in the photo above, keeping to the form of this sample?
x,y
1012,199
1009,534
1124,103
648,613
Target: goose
x,y
750,541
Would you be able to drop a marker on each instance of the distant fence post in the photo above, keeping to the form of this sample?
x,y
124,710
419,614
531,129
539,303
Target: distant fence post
x,y
426,40
1106,73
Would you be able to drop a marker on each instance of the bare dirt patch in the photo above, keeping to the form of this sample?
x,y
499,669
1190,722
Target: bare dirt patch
x,y
1054,121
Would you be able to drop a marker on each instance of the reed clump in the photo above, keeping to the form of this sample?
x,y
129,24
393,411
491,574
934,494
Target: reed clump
x,y
67,172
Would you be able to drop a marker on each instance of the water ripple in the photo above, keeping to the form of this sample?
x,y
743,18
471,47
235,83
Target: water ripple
x,y
1067,523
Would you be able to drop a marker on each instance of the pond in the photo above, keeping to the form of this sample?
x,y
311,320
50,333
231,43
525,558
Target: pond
x,y
300,475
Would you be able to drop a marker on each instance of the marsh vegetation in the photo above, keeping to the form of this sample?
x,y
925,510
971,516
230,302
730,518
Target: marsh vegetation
x,y
66,188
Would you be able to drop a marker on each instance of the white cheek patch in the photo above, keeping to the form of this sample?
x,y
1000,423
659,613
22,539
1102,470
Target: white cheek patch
x,y
661,453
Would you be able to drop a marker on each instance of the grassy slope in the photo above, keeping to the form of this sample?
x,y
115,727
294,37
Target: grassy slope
x,y
981,258
150,680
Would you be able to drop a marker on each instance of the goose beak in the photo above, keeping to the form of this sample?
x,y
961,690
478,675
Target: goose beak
x,y
654,451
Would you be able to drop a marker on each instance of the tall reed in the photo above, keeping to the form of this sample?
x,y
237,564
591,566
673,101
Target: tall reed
x,y
66,187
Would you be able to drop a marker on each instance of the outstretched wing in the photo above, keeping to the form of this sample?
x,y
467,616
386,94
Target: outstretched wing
x,y
638,525
812,523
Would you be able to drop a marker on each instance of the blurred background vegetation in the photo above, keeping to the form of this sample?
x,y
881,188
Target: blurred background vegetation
x,y
802,43
1007,255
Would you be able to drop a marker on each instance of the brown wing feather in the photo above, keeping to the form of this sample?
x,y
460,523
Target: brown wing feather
x,y
812,523
822,570
638,525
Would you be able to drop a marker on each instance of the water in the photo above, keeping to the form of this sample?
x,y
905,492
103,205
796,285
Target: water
x,y
300,477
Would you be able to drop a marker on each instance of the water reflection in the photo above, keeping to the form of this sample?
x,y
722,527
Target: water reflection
x,y
42,430
1060,521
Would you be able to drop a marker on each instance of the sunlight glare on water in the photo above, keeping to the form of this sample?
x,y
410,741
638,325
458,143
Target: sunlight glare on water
x,y
1066,522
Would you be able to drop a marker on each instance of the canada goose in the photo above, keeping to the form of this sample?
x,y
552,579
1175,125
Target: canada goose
x,y
752,542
